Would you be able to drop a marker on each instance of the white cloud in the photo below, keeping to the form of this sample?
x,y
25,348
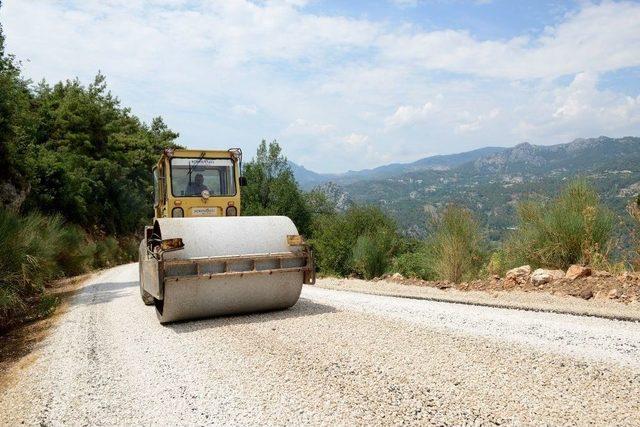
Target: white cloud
x,y
560,112
355,140
599,38
303,127
477,122
408,114
244,110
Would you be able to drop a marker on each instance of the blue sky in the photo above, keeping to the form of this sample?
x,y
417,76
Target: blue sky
x,y
349,84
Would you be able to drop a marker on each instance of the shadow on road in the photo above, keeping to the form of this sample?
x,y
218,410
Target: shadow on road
x,y
102,292
304,307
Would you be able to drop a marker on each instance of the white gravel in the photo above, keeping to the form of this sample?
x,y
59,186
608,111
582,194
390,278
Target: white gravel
x,y
334,358
583,337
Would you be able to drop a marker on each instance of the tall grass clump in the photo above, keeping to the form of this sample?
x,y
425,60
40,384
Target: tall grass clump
x,y
372,253
573,228
457,246
34,250
634,210
26,259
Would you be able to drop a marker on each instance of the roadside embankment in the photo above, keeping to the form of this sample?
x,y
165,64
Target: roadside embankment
x,y
19,342
523,298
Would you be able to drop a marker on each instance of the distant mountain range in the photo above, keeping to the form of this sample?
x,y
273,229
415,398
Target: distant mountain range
x,y
490,181
308,179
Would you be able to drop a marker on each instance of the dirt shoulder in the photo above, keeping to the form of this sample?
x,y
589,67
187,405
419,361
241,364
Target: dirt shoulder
x,y
19,345
495,293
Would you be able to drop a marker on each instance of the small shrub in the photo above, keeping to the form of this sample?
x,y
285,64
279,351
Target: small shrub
x,y
129,249
335,236
457,245
573,228
107,252
498,263
79,252
417,264
110,251
371,254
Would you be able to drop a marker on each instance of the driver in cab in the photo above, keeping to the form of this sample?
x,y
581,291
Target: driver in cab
x,y
197,187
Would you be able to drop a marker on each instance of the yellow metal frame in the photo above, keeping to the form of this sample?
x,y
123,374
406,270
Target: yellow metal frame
x,y
168,201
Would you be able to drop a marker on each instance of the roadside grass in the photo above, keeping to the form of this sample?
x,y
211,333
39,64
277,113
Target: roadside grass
x,y
372,253
37,249
573,228
457,245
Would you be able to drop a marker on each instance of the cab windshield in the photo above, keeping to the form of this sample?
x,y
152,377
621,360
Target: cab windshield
x,y
191,176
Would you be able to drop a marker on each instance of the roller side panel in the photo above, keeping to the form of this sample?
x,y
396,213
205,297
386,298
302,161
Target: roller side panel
x,y
150,273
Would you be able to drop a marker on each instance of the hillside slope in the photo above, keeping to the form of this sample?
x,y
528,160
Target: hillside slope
x,y
492,185
308,179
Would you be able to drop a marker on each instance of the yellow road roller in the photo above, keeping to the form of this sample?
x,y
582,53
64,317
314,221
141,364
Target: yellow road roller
x,y
200,258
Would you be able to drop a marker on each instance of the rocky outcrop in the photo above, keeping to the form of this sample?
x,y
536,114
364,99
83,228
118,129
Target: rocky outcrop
x,y
576,271
542,276
336,195
518,275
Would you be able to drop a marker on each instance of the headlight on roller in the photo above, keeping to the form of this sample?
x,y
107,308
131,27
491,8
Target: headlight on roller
x,y
177,213
232,211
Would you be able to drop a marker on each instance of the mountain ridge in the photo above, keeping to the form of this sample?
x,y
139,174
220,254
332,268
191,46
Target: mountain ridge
x,y
308,179
493,185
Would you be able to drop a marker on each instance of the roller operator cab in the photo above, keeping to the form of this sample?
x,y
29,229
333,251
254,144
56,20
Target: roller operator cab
x,y
195,183
200,258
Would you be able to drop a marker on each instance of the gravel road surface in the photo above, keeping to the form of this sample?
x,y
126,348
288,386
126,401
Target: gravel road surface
x,y
334,358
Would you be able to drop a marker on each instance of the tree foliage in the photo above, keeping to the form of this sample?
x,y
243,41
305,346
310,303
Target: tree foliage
x,y
15,121
336,236
272,189
75,173
74,150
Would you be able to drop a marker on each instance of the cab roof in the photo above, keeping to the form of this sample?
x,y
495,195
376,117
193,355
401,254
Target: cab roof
x,y
197,153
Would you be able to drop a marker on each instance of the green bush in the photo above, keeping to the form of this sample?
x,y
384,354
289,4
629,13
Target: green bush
x,y
418,263
35,250
78,256
107,252
371,254
457,245
336,236
573,228
110,251
634,210
498,263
